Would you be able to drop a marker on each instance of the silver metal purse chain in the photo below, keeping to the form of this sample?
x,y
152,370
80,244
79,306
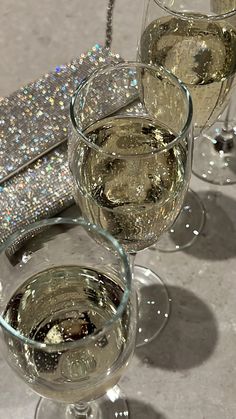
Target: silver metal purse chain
x,y
109,22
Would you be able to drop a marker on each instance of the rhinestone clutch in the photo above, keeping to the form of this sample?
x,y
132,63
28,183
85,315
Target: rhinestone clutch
x,y
34,177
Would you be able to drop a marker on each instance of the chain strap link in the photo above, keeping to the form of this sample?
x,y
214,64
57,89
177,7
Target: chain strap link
x,y
109,21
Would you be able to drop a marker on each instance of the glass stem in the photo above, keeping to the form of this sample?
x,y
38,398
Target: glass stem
x,y
131,261
226,128
225,140
80,411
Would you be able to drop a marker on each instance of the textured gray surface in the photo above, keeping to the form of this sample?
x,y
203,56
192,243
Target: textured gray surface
x,y
188,372
35,36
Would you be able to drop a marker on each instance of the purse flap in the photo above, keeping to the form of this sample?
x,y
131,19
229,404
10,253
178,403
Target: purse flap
x,y
34,119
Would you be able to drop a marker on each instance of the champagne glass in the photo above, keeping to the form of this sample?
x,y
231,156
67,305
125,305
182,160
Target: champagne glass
x,y
217,146
68,316
199,46
130,155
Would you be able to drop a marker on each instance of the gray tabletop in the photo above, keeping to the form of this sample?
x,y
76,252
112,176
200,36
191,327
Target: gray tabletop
x,y
188,372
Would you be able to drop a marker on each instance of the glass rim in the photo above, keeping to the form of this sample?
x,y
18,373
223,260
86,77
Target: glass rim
x,y
195,17
89,227
126,64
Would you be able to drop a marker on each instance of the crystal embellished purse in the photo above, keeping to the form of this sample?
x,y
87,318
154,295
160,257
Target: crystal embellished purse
x,y
34,177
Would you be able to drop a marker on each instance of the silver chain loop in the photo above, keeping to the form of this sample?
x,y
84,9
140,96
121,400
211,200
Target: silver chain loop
x,y
110,9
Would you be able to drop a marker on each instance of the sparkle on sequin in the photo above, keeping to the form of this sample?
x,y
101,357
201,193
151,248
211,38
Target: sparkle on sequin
x,y
134,82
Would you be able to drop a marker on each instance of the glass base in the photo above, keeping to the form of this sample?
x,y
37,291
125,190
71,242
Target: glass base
x,y
187,226
215,156
112,405
153,305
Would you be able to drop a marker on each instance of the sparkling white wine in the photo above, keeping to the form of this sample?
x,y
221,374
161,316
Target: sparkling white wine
x,y
66,304
135,198
201,53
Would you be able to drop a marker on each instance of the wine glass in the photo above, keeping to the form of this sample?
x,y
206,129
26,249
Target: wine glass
x,y
68,316
198,45
217,147
130,154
